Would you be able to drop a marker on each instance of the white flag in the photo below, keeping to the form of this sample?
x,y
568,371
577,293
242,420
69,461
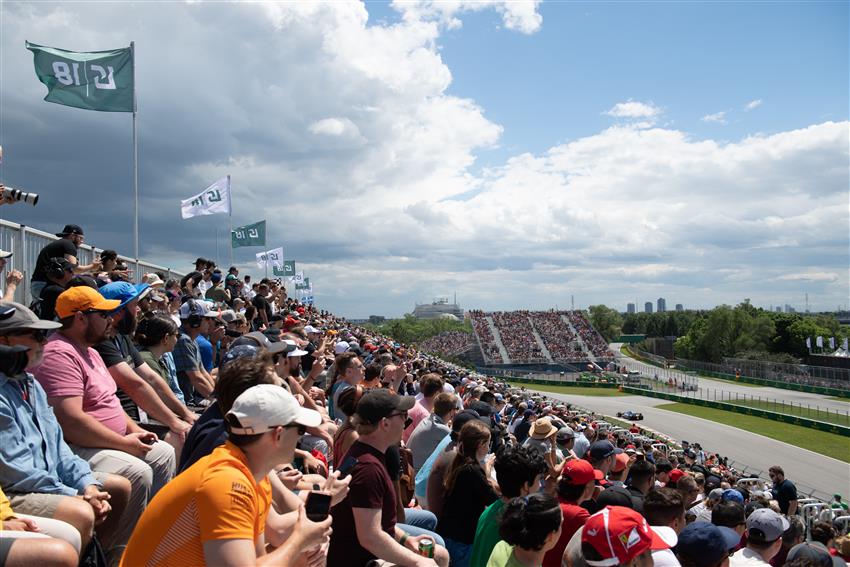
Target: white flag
x,y
819,342
809,343
262,259
844,345
298,277
213,200
832,342
275,257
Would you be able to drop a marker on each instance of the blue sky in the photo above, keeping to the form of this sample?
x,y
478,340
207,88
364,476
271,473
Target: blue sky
x,y
517,153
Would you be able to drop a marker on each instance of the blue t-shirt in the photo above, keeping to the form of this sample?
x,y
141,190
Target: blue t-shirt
x,y
205,347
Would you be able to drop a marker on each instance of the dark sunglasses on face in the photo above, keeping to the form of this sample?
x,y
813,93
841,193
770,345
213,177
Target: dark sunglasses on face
x,y
301,428
104,314
408,421
36,334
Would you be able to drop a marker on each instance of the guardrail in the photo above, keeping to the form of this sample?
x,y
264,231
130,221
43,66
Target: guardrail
x,y
25,243
822,390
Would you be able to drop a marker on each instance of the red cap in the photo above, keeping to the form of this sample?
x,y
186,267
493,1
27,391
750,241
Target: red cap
x,y
621,461
598,474
620,534
577,472
675,475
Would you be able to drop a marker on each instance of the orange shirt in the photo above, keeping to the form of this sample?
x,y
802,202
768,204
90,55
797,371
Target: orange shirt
x,y
5,509
216,498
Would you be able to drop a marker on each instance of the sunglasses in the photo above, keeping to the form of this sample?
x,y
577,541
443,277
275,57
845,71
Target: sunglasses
x,y
36,334
408,421
302,429
103,314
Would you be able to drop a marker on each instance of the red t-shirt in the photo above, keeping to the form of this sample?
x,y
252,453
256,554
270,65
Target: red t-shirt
x,y
371,487
574,518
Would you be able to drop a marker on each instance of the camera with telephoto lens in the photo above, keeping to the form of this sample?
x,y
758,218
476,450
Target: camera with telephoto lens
x,y
17,195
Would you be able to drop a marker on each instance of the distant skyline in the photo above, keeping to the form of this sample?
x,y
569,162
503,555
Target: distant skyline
x,y
517,153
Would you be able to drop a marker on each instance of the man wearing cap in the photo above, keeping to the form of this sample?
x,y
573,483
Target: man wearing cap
x,y
59,272
195,319
702,544
41,482
621,536
82,393
66,247
764,539
365,522
575,485
214,513
601,455
13,277
137,382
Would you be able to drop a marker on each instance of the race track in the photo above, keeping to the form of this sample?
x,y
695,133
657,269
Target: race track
x,y
808,469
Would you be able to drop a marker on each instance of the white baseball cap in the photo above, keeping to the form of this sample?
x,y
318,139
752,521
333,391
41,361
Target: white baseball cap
x,y
341,347
266,406
295,350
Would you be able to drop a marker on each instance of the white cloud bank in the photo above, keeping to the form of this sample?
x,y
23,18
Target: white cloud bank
x,y
342,135
717,117
753,104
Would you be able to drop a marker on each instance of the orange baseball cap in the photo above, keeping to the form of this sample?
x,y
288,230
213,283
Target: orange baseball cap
x,y
83,298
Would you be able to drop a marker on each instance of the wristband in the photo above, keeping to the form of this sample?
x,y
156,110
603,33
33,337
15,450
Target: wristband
x,y
402,539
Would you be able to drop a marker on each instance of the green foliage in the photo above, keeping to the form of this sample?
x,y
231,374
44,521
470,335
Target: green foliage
x,y
668,324
607,321
410,330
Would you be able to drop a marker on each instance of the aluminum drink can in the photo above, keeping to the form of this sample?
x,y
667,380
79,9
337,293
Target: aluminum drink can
x,y
426,547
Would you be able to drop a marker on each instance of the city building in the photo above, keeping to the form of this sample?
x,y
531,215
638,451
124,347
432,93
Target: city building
x,y
662,305
440,308
679,307
630,308
647,307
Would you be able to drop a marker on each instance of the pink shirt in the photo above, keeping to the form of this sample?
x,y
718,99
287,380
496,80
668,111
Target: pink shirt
x,y
417,413
68,372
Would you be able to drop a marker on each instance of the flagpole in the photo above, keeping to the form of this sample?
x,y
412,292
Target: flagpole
x,y
230,219
135,164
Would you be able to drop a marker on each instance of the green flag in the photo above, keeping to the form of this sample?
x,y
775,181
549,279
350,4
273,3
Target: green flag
x,y
249,235
288,269
97,80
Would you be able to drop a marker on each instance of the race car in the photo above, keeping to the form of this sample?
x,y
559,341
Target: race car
x,y
630,415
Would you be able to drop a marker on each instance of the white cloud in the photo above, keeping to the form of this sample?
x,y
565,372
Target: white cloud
x,y
517,15
634,109
753,104
717,117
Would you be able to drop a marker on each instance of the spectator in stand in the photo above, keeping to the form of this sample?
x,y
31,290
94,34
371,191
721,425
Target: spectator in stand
x,y
575,486
82,394
346,434
195,382
663,508
582,443
217,292
215,512
434,469
157,334
433,429
796,533
139,385
13,277
702,510
663,468
468,492
206,283
729,514
784,491
764,539
429,385
262,304
66,247
702,544
44,483
349,373
365,522
518,472
108,264
58,272
530,527
621,536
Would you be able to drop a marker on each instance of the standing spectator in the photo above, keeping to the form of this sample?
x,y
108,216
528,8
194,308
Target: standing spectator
x,y
428,434
13,277
365,522
796,533
195,319
529,527
261,302
468,492
702,544
664,509
575,486
66,247
441,459
784,491
217,292
82,393
214,513
582,443
349,373
518,472
429,386
764,539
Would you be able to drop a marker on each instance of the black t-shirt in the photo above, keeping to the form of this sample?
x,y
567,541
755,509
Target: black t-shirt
x,y
47,303
58,249
262,304
463,504
114,351
785,492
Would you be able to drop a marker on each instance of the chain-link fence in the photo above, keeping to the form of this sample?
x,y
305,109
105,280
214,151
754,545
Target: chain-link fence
x,y
25,243
818,376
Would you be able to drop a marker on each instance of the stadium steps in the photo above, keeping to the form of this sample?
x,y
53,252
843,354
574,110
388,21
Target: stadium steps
x,y
580,340
539,340
498,338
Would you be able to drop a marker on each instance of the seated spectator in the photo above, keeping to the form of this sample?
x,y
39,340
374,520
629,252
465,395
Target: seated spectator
x,y
365,522
44,483
730,514
214,513
796,533
349,373
157,335
467,492
518,472
346,435
195,382
58,272
664,510
764,539
702,544
529,528
435,467
429,386
24,540
82,394
428,434
575,486
814,554
621,536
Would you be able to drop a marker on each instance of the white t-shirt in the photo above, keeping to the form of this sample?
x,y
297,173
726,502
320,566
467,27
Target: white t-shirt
x,y
665,558
747,558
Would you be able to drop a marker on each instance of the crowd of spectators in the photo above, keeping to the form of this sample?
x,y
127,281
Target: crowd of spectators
x,y
590,336
448,344
559,339
189,423
518,336
485,336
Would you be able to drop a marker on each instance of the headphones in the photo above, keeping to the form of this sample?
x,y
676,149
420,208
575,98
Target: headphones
x,y
196,312
55,269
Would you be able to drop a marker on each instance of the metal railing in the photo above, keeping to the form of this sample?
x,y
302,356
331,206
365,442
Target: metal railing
x,y
825,376
25,243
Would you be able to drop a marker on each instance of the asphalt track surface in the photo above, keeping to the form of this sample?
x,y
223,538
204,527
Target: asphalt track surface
x,y
788,396
809,470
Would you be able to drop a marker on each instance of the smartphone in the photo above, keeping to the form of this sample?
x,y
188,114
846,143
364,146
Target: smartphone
x,y
318,506
346,466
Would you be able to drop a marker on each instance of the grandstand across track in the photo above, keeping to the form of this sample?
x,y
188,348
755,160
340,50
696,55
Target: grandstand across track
x,y
812,470
804,398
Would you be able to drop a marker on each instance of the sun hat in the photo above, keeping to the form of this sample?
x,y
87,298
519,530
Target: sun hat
x,y
542,429
23,318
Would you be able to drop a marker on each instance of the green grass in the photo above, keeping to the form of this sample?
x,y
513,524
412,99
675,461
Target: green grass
x,y
840,399
729,381
788,409
829,444
574,390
